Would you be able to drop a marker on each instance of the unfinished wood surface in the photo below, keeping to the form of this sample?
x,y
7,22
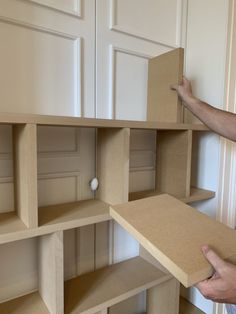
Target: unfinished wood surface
x,y
164,298
85,249
187,308
165,70
174,162
196,195
174,233
54,218
11,118
71,215
113,165
51,276
93,292
25,173
28,304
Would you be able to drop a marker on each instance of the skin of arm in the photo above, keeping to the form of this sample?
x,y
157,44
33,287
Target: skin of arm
x,y
219,121
221,287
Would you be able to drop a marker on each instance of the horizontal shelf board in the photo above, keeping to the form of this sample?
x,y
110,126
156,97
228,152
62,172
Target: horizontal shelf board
x,y
54,218
196,194
10,222
174,233
28,304
108,286
187,308
70,215
10,118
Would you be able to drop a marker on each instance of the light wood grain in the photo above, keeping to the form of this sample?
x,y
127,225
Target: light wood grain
x,y
196,194
25,173
113,165
164,298
11,118
28,304
174,234
93,292
164,71
174,162
51,275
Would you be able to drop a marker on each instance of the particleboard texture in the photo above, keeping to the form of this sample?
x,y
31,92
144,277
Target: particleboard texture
x,y
105,287
174,233
163,103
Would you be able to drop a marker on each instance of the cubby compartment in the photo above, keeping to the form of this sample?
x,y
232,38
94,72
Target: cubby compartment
x,y
160,162
91,284
17,179
67,162
30,283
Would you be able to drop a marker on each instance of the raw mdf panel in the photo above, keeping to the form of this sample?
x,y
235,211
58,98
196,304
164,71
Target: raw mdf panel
x,y
173,163
34,281
163,226
163,103
48,57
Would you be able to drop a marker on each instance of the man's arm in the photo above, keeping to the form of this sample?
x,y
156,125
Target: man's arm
x,y
219,121
221,287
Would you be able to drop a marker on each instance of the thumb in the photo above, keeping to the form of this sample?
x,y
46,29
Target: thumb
x,y
218,263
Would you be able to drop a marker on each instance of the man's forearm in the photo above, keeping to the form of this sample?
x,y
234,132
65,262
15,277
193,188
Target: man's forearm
x,y
219,121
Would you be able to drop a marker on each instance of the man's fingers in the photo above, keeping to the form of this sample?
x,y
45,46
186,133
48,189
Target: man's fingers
x,y
213,258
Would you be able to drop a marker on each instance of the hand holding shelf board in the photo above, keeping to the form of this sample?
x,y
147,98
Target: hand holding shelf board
x,y
174,233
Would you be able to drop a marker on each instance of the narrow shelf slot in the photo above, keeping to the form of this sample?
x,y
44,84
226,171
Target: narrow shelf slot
x,y
28,304
196,194
91,293
72,215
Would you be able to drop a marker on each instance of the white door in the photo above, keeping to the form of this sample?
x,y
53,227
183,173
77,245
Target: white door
x,y
47,57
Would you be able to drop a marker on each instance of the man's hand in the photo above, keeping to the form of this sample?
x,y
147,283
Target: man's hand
x,y
184,90
221,287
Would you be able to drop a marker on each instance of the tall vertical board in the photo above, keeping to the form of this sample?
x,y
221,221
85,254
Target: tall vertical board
x,y
165,70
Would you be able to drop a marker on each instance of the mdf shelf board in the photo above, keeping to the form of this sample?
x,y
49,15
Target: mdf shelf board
x,y
173,162
72,215
188,308
11,118
196,194
54,218
108,286
28,304
174,233
163,103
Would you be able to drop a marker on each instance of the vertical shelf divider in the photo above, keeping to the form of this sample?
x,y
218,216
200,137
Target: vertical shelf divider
x,y
25,173
113,165
164,298
174,149
51,274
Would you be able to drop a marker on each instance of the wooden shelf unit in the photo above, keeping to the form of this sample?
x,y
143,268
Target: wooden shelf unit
x,y
48,223
168,159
